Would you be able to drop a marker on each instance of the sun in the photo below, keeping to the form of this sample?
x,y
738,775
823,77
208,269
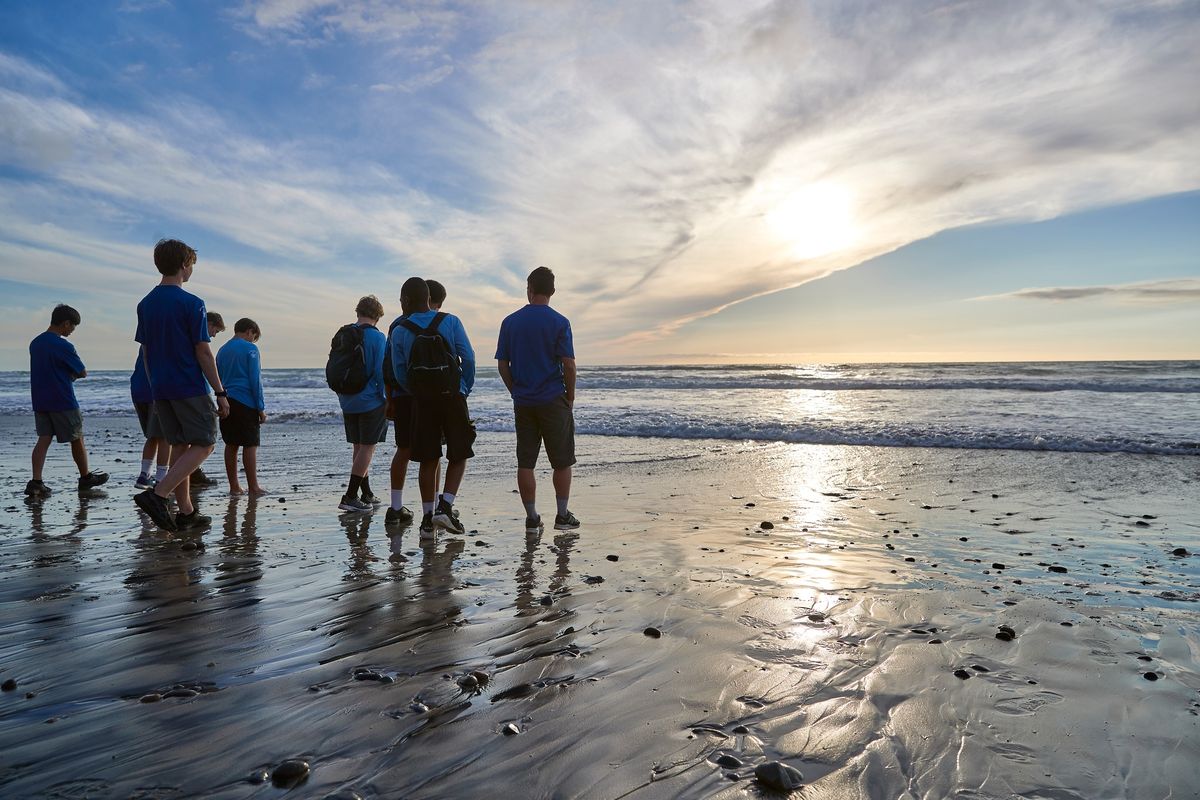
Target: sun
x,y
814,220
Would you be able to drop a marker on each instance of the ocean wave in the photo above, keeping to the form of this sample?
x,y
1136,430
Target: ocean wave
x,y
791,382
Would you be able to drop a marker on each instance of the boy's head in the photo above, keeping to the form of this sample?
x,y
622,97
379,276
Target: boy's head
x,y
369,307
172,257
247,329
215,324
414,295
437,294
540,282
64,319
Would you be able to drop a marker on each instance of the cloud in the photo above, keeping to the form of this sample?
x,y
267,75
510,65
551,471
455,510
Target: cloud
x,y
637,148
1165,292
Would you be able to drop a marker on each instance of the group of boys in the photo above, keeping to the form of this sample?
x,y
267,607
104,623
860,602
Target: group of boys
x,y
420,374
430,373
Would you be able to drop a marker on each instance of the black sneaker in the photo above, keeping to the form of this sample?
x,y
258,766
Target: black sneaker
x,y
144,481
533,524
371,499
37,489
398,516
198,478
353,504
192,521
444,517
427,529
565,522
156,508
92,480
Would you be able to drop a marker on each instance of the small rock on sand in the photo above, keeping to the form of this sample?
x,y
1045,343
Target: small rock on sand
x,y
778,776
728,761
510,729
961,673
153,697
9,685
653,633
290,773
766,525
1179,551
613,557
1150,676
1006,634
1057,568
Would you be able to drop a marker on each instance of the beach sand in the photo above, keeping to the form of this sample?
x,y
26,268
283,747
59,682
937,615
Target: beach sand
x,y
854,639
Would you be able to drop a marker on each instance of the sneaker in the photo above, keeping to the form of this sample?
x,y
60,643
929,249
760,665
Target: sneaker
x,y
444,517
37,489
427,529
353,504
192,521
198,478
92,480
144,481
565,522
533,524
156,508
371,499
400,516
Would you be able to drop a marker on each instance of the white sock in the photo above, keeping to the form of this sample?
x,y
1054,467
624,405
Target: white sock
x,y
449,498
427,507
397,498
161,472
147,463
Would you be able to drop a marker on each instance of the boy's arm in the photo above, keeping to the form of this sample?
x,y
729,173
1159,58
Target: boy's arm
x,y
399,356
466,354
208,365
568,365
505,370
75,364
256,383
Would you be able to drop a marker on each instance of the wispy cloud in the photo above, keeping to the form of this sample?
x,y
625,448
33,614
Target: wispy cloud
x,y
1170,292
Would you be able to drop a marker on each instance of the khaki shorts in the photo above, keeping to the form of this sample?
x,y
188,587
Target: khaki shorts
x,y
553,424
66,426
192,420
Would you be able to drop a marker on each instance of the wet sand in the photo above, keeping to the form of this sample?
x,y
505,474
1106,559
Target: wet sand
x,y
836,609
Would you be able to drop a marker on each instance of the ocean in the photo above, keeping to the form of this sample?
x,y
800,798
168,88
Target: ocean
x,y
1150,407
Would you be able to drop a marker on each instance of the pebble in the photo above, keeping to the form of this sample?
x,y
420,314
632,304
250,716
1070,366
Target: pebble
x,y
613,557
1056,568
816,616
778,776
153,697
997,565
1006,634
766,525
468,683
593,579
1179,551
283,499
418,707
9,685
547,600
290,773
259,776
183,693
961,673
741,729
1150,676
728,761
653,633
510,729
481,677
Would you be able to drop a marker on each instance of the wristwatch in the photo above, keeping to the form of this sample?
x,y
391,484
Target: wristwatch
x,y
222,393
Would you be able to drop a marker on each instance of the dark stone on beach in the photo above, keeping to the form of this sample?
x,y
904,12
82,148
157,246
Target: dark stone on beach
x,y
546,600
961,673
910,559
593,579
652,632
153,697
995,496
766,525
9,685
418,707
778,776
613,558
283,499
30,695
1067,624
962,538
1057,568
1145,658
468,683
1150,676
364,674
749,505
728,761
997,565
290,773
1179,551
182,693
344,794
816,616
979,668
1006,634
259,776
785,518
935,641
510,729
481,677
741,729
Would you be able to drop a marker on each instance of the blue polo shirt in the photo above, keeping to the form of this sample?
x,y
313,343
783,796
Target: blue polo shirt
x,y
452,331
171,322
139,382
372,396
241,373
534,340
53,367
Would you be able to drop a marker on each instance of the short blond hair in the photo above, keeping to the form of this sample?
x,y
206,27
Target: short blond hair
x,y
369,307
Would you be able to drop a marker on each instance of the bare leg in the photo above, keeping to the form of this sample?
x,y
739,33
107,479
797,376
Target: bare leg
x,y
250,462
362,459
164,452
150,450
437,475
562,482
399,470
427,479
454,475
79,453
39,455
231,472
184,461
526,485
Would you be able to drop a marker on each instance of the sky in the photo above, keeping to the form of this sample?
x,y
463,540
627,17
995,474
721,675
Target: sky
x,y
741,181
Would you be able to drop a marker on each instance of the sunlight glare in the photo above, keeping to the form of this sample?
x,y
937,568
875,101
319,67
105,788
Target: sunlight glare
x,y
815,220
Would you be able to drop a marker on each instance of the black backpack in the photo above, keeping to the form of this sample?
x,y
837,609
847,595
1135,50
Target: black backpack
x,y
433,369
346,370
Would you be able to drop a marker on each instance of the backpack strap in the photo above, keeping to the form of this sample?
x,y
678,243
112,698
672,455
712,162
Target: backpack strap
x,y
437,320
411,326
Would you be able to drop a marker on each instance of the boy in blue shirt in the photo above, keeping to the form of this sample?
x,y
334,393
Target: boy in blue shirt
x,y
241,373
535,355
173,332
53,367
155,450
438,413
365,413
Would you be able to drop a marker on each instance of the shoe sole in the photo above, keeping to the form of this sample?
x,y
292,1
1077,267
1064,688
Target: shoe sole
x,y
428,534
535,528
563,527
400,522
353,509
444,522
151,513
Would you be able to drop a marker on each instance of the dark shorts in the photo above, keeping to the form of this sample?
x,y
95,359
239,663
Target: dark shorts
x,y
403,404
145,412
368,427
192,420
240,428
553,424
66,426
442,418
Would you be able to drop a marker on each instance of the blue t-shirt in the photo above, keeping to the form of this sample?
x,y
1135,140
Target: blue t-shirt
x,y
371,397
171,322
452,330
241,372
53,366
139,382
534,341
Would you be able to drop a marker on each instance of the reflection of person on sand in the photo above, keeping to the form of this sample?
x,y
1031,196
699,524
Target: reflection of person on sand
x,y
173,332
536,359
53,367
241,372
